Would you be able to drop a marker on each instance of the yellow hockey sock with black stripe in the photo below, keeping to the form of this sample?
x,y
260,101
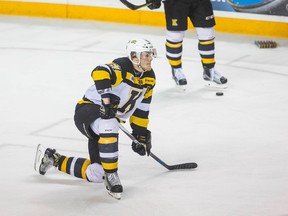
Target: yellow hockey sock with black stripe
x,y
74,166
174,53
207,52
108,150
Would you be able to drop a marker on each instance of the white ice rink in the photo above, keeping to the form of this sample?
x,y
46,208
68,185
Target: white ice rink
x,y
239,140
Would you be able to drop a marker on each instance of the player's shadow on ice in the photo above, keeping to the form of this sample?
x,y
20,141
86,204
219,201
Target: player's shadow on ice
x,y
50,179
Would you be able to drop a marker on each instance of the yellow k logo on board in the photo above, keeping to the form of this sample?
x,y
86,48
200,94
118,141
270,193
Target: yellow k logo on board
x,y
174,22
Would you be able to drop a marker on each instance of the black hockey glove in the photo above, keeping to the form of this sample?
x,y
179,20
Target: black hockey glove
x,y
155,4
108,111
144,139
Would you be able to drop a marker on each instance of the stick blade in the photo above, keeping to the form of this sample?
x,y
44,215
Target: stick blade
x,y
191,165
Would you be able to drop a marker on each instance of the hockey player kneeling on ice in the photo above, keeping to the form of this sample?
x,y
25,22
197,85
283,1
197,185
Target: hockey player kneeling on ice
x,y
122,90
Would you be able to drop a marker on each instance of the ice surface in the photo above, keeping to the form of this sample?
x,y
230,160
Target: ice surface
x,y
239,140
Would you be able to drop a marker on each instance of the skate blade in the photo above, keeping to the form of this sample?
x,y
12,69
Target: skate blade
x,y
114,195
211,84
38,157
181,87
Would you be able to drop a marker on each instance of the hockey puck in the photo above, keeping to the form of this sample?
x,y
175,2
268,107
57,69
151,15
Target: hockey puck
x,y
219,93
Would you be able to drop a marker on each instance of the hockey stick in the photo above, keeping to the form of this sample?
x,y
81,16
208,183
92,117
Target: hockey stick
x,y
190,165
134,7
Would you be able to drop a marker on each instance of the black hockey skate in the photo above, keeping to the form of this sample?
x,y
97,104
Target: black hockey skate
x,y
213,76
45,159
179,78
113,185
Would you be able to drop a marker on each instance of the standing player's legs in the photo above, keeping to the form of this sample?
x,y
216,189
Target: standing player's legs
x,y
202,17
176,23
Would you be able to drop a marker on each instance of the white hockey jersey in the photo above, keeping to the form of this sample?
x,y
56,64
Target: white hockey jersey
x,y
133,88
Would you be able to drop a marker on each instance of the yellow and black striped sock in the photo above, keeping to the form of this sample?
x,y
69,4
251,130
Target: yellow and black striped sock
x,y
73,166
207,52
174,53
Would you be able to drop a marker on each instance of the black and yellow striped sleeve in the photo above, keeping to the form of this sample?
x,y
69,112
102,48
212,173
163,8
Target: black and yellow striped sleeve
x,y
139,121
102,76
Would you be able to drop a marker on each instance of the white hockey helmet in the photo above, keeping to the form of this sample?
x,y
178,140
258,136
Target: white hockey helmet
x,y
135,47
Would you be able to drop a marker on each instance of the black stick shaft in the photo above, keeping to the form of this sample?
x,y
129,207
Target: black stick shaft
x,y
132,6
